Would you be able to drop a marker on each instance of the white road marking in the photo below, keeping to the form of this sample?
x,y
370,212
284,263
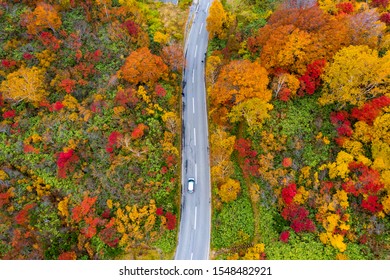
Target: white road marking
x,y
193,105
192,254
196,50
196,209
200,31
196,173
194,137
193,75
208,4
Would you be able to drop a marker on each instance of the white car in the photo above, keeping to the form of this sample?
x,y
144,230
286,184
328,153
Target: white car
x,y
191,185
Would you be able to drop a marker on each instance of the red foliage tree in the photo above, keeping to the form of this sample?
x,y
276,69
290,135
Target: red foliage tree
x,y
56,106
113,141
159,211
21,217
139,131
126,97
371,204
288,193
284,236
249,163
368,180
49,40
171,220
298,216
65,162
385,17
160,91
369,111
4,198
380,3
287,162
342,123
80,211
131,27
312,77
9,114
27,56
345,7
7,63
68,85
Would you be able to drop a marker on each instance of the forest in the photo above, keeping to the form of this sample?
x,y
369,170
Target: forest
x,y
90,128
299,121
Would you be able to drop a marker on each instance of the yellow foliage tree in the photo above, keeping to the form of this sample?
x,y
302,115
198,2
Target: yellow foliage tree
x,y
25,84
172,122
213,66
222,145
161,38
229,190
254,111
217,21
356,74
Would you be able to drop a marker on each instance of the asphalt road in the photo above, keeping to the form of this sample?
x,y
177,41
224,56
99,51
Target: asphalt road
x,y
194,231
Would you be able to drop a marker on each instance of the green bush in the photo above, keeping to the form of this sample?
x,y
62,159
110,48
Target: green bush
x,y
234,224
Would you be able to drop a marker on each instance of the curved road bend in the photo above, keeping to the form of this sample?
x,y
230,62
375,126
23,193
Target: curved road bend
x,y
194,231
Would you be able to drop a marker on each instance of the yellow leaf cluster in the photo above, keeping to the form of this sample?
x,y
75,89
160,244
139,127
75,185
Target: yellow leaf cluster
x,y
118,110
25,84
172,122
134,222
254,111
63,207
46,57
386,204
255,252
109,203
39,186
70,102
328,6
222,145
229,190
301,196
340,167
356,74
217,20
161,38
3,175
271,144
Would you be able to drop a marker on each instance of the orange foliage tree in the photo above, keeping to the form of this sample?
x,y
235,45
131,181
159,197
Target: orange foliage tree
x,y
295,37
239,81
141,66
44,16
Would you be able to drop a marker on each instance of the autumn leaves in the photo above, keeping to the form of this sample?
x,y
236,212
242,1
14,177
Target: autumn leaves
x,y
299,107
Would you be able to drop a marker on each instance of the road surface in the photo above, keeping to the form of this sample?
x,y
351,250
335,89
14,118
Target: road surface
x,y
194,231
